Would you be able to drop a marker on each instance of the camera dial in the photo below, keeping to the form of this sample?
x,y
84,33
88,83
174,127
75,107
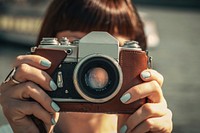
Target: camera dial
x,y
49,41
132,44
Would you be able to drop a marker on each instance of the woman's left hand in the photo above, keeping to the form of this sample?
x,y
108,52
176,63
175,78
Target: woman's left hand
x,y
153,116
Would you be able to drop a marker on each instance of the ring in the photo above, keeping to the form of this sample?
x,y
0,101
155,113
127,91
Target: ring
x,y
14,80
10,77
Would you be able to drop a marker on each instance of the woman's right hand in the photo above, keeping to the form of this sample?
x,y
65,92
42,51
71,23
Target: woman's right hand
x,y
20,101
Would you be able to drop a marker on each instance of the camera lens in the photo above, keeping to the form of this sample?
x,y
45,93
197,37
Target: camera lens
x,y
97,78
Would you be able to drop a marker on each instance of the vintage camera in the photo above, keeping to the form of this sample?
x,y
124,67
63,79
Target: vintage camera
x,y
94,72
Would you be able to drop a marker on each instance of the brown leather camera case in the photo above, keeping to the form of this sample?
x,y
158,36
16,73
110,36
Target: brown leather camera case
x,y
132,64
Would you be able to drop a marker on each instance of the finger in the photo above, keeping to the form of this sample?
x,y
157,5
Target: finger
x,y
146,111
24,108
151,90
29,90
156,124
33,60
149,75
26,72
55,117
122,118
3,86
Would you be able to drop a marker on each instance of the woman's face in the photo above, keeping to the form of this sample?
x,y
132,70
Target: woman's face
x,y
74,35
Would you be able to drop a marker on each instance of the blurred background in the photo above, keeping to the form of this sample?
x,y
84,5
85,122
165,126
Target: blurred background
x,y
173,33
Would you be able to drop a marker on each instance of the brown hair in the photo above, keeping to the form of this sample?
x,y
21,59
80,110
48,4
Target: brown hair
x,y
114,16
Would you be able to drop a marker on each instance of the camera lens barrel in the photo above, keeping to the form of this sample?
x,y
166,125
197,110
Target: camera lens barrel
x,y
98,78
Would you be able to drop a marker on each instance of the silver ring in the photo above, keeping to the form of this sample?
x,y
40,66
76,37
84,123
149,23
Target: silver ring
x,y
14,80
10,77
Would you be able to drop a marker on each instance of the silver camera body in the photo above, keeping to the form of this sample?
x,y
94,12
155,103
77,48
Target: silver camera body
x,y
91,71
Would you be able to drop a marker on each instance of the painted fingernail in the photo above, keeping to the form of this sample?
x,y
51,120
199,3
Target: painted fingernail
x,y
145,74
125,98
53,122
45,63
123,129
53,85
55,106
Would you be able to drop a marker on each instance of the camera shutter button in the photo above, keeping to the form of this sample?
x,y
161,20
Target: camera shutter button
x,y
64,41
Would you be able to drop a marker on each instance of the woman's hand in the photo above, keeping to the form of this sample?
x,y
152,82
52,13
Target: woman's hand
x,y
154,116
21,100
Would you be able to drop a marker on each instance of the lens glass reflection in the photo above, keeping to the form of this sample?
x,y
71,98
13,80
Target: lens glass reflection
x,y
96,78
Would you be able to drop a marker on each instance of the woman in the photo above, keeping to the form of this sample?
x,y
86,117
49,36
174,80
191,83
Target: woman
x,y
74,19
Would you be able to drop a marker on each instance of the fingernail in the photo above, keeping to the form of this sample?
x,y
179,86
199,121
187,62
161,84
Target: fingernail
x,y
55,106
145,74
123,129
53,85
45,63
125,97
53,121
